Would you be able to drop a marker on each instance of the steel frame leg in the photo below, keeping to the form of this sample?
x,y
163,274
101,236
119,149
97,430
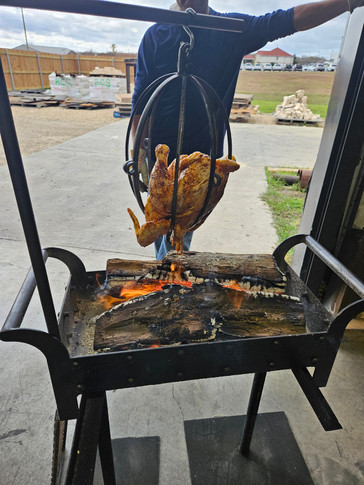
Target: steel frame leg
x,y
92,432
318,403
251,416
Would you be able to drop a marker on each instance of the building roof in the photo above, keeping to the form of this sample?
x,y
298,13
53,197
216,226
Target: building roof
x,y
277,52
62,51
249,56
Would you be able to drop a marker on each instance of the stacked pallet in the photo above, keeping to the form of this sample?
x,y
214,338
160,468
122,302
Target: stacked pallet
x,y
242,108
85,104
122,106
107,72
34,99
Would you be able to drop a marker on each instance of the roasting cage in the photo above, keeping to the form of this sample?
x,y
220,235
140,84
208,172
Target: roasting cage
x,y
75,372
152,96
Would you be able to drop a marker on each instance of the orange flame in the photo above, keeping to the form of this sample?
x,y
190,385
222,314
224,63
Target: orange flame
x,y
237,296
133,289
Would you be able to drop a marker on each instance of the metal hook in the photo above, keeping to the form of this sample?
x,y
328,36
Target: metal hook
x,y
189,32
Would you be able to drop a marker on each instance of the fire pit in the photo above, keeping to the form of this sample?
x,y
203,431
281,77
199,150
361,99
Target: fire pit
x,y
197,297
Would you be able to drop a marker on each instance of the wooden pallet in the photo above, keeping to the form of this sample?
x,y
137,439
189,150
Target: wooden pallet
x,y
293,121
74,104
241,114
33,100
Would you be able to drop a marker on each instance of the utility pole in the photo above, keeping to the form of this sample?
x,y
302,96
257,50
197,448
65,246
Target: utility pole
x,y
25,30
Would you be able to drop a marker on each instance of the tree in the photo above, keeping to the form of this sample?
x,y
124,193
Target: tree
x,y
113,48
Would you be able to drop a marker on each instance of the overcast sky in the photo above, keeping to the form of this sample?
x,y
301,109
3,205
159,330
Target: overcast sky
x,y
81,33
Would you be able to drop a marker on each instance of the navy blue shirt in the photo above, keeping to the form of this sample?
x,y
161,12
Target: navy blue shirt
x,y
216,57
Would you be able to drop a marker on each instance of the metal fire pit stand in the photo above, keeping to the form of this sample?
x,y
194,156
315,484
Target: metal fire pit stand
x,y
92,375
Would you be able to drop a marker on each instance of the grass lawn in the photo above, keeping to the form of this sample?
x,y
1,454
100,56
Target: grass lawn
x,y
269,88
286,204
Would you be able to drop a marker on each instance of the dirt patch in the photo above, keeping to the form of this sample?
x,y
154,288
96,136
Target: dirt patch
x,y
41,128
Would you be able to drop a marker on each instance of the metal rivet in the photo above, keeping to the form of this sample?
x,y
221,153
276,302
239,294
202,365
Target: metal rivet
x,y
129,357
179,375
314,360
272,364
227,369
181,353
75,363
130,380
322,338
276,342
80,387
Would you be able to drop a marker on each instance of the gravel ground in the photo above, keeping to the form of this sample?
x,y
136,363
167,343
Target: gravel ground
x,y
41,128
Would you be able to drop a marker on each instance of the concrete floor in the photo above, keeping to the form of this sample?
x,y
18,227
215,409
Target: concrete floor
x,y
80,194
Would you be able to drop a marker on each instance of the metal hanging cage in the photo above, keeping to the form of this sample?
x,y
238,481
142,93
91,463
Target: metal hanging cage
x,y
154,93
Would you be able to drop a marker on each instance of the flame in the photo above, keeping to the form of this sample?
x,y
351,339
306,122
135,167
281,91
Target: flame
x,y
237,295
133,289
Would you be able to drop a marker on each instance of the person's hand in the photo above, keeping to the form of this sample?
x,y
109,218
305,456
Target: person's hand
x,y
353,4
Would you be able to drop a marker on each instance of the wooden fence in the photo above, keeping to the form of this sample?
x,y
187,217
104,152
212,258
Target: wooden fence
x,y
30,69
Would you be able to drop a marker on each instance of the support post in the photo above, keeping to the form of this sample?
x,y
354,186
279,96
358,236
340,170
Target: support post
x,y
92,429
315,397
10,70
251,416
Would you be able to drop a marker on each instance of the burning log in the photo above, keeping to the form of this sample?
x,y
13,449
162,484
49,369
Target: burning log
x,y
257,270
180,314
194,297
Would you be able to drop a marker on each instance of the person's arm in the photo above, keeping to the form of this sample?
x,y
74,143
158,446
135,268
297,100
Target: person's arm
x,y
313,14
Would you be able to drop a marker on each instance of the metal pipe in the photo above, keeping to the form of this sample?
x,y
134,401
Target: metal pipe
x,y
131,12
10,70
17,174
331,261
40,70
78,64
344,274
180,132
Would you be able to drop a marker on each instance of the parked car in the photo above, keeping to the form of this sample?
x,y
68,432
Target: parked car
x,y
311,67
258,67
287,67
305,67
332,67
248,66
320,67
297,67
277,67
267,66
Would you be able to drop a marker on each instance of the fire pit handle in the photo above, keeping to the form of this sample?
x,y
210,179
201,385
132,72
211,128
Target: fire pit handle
x,y
322,253
21,303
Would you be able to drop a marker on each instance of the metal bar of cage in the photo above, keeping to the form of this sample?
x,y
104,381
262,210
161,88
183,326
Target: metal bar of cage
x,y
125,11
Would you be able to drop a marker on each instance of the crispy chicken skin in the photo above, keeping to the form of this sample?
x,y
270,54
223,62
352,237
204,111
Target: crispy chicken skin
x,y
193,180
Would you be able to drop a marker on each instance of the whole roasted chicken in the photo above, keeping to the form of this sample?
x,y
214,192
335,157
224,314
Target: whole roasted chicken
x,y
193,180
